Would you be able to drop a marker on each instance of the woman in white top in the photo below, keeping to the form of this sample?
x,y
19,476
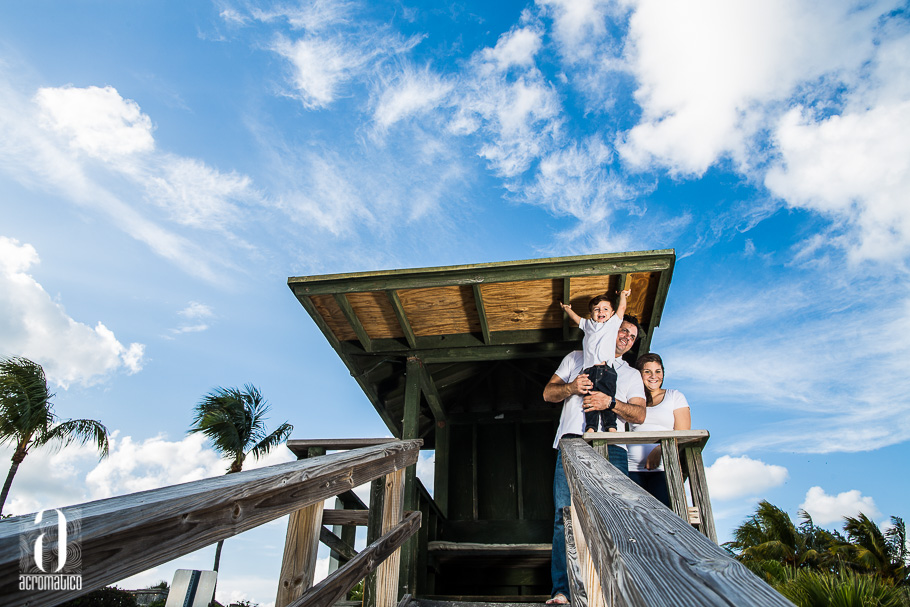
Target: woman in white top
x,y
667,410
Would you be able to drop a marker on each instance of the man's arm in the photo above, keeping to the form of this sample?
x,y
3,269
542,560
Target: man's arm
x,y
557,390
632,411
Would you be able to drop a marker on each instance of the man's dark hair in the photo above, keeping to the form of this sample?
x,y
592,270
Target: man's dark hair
x,y
632,320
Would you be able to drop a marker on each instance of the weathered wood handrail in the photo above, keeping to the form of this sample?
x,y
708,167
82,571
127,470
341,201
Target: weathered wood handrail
x,y
678,446
641,552
125,535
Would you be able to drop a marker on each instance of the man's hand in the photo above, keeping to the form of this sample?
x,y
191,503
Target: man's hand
x,y
596,401
581,385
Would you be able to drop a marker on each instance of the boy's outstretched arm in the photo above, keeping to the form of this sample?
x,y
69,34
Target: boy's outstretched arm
x,y
568,310
621,308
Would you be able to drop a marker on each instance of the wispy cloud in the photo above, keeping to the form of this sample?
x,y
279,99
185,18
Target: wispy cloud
x,y
37,327
197,316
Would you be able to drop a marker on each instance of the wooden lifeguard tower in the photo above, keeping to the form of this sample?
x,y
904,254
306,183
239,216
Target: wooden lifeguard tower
x,y
453,359
458,356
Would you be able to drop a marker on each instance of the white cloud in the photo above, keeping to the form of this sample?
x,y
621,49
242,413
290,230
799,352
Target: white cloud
x,y
320,67
515,48
709,70
94,149
826,508
154,462
96,120
732,477
854,168
33,325
413,92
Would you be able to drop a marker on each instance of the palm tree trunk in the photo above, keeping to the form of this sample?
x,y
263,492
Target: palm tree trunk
x,y
17,459
218,554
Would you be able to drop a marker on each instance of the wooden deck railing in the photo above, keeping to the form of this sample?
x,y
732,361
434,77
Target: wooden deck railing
x,y
625,548
125,535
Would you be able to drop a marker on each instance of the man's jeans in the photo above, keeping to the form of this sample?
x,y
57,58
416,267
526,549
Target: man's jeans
x,y
563,499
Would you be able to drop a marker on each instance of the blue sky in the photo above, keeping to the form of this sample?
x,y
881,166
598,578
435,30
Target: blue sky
x,y
165,166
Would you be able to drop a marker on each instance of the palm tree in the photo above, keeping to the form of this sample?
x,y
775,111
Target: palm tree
x,y
27,416
770,535
884,554
234,420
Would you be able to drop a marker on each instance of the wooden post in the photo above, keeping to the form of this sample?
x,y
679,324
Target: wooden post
x,y
299,562
441,476
410,428
698,484
590,578
388,572
670,454
579,596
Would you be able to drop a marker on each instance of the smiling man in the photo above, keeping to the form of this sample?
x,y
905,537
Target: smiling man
x,y
572,388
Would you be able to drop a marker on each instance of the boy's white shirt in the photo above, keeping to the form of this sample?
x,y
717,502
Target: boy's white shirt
x,y
599,343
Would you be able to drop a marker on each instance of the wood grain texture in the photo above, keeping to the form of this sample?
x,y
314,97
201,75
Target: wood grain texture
x,y
298,564
588,575
333,317
516,306
336,586
387,572
336,545
440,310
125,535
579,597
376,314
629,534
698,483
345,517
300,447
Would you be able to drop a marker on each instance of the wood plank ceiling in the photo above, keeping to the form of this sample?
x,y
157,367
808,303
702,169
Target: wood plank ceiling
x,y
458,321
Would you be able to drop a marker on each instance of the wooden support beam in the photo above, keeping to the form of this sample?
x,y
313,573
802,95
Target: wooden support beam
x,y
338,546
410,427
428,387
441,468
402,317
627,531
310,307
342,300
335,587
360,518
301,447
537,269
301,544
481,314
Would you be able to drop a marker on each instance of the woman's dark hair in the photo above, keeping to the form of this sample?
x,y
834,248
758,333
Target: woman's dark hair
x,y
650,357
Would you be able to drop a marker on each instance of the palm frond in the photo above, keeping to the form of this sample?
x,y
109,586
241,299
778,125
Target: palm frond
x,y
77,430
274,439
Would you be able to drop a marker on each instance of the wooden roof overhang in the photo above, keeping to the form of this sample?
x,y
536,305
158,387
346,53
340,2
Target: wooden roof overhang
x,y
449,323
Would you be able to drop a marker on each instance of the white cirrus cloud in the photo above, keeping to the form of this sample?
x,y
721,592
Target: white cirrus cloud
x,y
412,92
515,48
33,325
825,509
732,477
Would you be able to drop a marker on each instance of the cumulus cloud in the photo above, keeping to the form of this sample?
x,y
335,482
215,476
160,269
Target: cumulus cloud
x,y
731,477
709,70
33,325
854,168
826,509
96,120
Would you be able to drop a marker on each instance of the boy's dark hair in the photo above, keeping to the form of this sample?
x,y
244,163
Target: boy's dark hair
x,y
596,300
